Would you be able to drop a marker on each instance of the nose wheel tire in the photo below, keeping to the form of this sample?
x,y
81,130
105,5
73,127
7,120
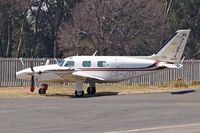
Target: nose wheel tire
x,y
79,93
91,90
42,91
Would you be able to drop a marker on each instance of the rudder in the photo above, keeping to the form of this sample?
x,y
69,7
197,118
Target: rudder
x,y
172,52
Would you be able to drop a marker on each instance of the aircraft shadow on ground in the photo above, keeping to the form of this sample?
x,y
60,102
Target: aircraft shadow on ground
x,y
182,92
98,94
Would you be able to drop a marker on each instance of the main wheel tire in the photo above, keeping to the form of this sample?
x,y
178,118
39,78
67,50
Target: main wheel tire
x,y
42,91
91,90
79,93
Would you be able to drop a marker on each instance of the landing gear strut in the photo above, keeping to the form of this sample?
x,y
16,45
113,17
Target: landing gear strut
x,y
43,90
79,88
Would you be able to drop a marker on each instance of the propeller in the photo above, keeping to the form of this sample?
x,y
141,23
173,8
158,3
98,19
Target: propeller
x,y
32,84
32,78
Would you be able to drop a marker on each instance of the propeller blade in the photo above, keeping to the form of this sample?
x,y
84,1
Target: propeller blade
x,y
32,84
31,65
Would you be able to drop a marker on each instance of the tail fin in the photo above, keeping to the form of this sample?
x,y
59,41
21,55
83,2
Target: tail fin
x,y
172,52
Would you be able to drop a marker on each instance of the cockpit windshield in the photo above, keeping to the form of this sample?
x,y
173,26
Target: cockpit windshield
x,y
61,62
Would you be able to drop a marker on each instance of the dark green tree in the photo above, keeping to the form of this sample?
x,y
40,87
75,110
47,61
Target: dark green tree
x,y
46,17
13,27
29,28
185,14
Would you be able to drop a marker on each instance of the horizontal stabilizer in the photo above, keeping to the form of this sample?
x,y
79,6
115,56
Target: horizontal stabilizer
x,y
168,65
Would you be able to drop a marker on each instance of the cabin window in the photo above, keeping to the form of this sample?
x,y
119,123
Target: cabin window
x,y
101,64
86,63
69,64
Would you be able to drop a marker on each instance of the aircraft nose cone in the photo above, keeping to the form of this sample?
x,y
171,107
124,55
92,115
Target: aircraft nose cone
x,y
18,74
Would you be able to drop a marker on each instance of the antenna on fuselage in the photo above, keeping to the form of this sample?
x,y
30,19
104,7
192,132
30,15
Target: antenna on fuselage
x,y
95,53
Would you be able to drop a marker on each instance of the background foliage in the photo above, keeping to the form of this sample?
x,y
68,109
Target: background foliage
x,y
60,28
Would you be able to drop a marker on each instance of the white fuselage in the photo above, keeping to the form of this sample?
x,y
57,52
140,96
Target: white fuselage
x,y
107,68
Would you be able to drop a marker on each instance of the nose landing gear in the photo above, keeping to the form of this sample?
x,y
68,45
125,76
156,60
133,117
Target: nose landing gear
x,y
43,89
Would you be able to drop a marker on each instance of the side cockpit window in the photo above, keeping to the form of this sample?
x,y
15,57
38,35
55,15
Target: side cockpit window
x,y
101,63
86,64
61,62
69,64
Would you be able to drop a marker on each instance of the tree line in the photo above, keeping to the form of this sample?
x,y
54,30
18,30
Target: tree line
x,y
60,28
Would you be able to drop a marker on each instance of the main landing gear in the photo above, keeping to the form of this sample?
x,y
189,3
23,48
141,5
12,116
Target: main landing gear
x,y
91,89
79,88
79,92
43,89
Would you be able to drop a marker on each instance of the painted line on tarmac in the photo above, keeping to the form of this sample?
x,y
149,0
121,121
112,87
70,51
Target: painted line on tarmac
x,y
156,128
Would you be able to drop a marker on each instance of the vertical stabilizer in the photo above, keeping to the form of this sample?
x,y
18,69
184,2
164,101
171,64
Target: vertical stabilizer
x,y
173,50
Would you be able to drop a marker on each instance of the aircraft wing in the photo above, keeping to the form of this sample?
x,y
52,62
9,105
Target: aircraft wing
x,y
82,74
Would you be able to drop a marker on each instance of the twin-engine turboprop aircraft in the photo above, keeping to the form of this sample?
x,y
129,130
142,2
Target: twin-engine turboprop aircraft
x,y
104,69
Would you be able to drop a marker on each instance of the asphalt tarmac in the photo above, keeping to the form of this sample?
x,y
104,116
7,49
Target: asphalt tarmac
x,y
140,113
